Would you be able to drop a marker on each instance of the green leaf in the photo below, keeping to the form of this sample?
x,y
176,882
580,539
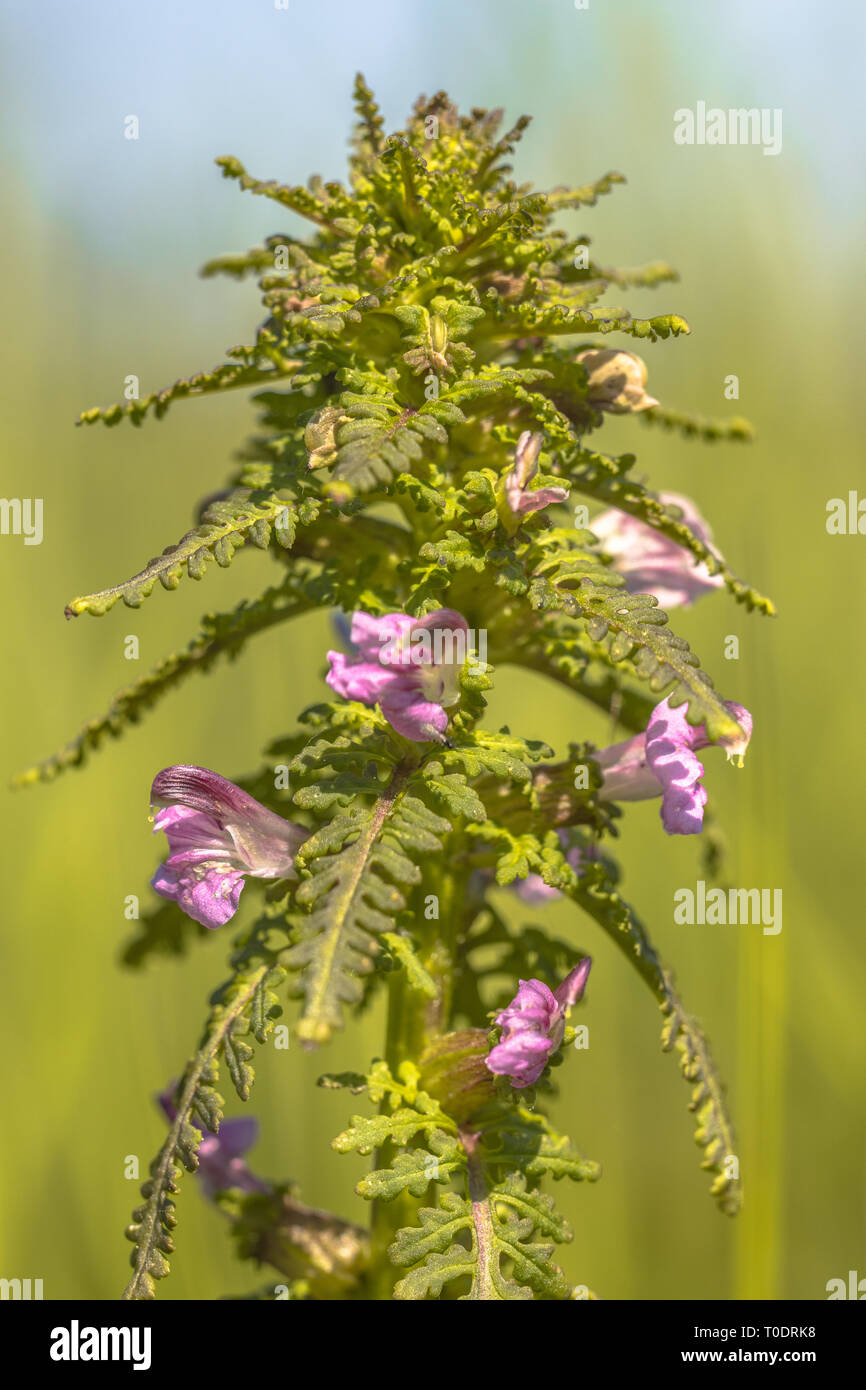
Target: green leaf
x,y
153,1223
369,1132
594,892
357,868
638,633
222,634
500,1226
689,426
587,196
403,951
413,1170
497,1211
228,376
225,526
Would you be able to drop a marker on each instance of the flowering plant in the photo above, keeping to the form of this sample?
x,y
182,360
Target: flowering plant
x,y
427,387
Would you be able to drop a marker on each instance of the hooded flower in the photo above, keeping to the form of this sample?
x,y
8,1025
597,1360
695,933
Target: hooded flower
x,y
220,1156
408,666
217,835
662,761
520,499
532,1026
616,379
649,562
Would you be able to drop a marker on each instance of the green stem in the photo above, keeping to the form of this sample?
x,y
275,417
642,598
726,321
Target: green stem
x,y
413,1022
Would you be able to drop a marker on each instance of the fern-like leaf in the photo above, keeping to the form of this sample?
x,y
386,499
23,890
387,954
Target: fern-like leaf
x,y
594,892
485,1233
356,871
638,633
222,634
689,426
154,1221
225,526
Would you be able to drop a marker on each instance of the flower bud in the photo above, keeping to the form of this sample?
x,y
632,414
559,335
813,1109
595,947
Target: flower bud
x,y
454,1072
517,501
320,436
526,457
617,380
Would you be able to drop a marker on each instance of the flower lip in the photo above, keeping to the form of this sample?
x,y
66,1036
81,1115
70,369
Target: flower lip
x,y
663,761
217,835
670,753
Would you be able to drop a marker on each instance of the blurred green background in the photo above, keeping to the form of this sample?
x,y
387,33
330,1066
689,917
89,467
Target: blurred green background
x,y
103,237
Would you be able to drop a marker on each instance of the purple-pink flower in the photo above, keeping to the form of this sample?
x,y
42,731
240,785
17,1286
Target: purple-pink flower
x,y
220,1156
520,498
408,666
649,562
533,1024
663,761
217,835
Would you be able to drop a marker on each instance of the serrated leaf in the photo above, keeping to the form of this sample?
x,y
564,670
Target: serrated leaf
x,y
225,526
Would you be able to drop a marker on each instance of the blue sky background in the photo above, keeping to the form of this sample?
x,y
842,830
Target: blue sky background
x,y
274,87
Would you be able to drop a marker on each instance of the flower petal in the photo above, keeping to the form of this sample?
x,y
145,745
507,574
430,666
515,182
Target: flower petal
x,y
208,895
573,985
359,680
652,563
411,715
409,667
670,744
205,816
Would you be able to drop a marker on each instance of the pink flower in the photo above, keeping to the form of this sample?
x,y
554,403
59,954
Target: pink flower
x,y
649,562
220,1156
532,1026
217,835
521,500
663,762
408,666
